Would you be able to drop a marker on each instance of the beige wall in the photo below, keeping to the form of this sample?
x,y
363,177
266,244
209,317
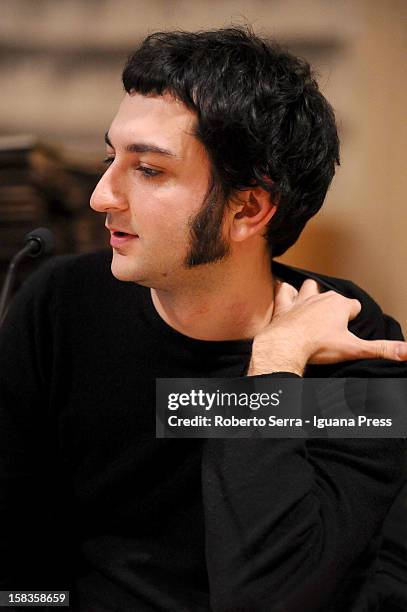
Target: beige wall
x,y
362,232
60,72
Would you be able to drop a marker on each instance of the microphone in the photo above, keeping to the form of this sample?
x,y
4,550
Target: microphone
x,y
40,241
37,243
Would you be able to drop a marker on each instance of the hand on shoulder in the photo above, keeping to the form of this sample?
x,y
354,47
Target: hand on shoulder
x,y
308,326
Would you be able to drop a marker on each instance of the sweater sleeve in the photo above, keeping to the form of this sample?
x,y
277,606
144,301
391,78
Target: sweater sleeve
x,y
293,525
29,534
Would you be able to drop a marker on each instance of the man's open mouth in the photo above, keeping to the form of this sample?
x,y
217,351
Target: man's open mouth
x,y
118,238
117,233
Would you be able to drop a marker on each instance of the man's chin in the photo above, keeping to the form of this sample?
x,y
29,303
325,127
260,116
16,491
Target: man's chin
x,y
123,269
121,276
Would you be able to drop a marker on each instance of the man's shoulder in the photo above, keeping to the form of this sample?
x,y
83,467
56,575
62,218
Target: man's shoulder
x,y
77,267
83,273
370,324
84,279
344,286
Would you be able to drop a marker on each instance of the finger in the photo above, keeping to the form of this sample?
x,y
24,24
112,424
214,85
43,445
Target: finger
x,y
309,288
381,349
355,308
284,296
352,306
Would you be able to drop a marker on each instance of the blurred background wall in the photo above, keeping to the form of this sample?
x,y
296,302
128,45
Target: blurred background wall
x,y
60,66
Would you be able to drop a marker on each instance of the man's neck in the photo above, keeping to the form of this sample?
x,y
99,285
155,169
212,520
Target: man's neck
x,y
236,304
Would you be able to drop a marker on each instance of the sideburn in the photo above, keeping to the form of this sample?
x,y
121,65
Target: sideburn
x,y
207,244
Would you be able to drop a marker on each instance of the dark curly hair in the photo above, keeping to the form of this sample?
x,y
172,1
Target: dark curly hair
x,y
260,116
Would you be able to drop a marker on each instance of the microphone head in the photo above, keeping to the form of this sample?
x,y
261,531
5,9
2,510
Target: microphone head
x,y
41,242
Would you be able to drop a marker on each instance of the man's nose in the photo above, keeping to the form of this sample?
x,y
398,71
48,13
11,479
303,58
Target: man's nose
x,y
108,194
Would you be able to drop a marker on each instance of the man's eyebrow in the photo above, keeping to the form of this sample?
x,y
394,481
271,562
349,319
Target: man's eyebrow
x,y
142,147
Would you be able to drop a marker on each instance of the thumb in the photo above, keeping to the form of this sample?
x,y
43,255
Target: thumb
x,y
383,349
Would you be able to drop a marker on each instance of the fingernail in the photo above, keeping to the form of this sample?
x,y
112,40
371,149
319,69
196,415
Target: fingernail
x,y
402,351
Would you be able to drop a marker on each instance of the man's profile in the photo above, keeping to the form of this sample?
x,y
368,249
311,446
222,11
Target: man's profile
x,y
221,151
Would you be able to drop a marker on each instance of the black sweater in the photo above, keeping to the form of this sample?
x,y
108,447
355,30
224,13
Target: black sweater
x,y
91,501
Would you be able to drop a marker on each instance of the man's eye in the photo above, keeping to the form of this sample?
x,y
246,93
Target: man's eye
x,y
148,172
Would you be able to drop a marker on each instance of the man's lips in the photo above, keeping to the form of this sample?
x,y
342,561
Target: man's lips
x,y
119,237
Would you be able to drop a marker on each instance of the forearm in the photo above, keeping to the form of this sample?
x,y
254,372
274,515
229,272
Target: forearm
x,y
285,519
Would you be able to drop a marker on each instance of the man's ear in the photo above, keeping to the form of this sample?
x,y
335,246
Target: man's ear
x,y
252,211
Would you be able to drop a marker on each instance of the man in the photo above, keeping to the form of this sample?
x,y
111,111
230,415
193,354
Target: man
x,y
220,152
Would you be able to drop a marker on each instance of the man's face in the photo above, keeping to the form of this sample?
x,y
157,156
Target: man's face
x,y
160,210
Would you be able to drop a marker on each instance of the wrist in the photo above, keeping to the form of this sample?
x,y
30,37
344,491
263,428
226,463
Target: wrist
x,y
269,358
256,369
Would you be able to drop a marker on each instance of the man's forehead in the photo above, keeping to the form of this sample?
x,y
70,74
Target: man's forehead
x,y
163,120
